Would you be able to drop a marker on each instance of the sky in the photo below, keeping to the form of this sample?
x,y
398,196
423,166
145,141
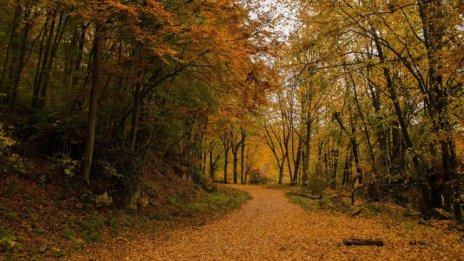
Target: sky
x,y
285,16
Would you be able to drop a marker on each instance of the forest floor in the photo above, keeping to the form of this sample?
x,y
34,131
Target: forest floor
x,y
270,227
38,223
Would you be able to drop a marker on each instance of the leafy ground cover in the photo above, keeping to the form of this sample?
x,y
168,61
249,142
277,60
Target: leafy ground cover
x,y
37,223
270,227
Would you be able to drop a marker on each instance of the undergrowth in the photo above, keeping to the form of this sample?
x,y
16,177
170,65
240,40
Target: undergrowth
x,y
331,203
337,204
222,199
76,232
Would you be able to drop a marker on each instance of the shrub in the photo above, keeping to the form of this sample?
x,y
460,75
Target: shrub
x,y
69,233
198,176
8,241
5,142
109,169
202,180
91,228
118,172
103,200
11,163
316,185
256,177
17,165
66,165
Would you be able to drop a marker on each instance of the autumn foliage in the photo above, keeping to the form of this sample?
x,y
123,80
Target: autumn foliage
x,y
106,80
373,101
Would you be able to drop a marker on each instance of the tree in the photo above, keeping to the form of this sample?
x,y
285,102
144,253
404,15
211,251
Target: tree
x,y
390,59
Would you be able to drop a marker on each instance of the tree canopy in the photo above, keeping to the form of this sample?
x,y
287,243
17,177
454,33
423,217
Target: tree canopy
x,y
358,96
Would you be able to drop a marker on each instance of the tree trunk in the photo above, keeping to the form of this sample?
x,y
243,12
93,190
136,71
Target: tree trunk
x,y
58,34
335,168
211,163
226,160
432,14
12,44
134,119
298,161
19,46
347,169
354,145
281,171
422,182
93,104
40,74
242,160
307,152
235,162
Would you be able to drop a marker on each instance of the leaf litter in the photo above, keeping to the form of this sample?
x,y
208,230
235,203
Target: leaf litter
x,y
269,227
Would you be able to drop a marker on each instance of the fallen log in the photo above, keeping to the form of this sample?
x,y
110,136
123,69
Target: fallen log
x,y
304,195
362,242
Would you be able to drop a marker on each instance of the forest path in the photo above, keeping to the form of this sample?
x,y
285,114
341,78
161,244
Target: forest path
x,y
269,227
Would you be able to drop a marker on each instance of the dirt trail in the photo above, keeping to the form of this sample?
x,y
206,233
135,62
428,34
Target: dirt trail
x,y
269,227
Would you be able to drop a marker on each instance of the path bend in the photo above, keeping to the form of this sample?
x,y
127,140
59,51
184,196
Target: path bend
x,y
269,227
